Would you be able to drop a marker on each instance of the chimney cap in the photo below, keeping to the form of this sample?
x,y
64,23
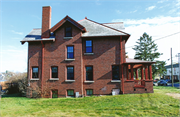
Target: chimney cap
x,y
85,17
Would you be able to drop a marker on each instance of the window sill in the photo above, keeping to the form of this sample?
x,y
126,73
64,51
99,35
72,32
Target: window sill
x,y
69,80
34,79
54,79
88,53
88,81
69,59
115,80
68,37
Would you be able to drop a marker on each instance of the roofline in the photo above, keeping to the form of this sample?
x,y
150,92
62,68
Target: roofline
x,y
113,23
22,42
61,22
108,27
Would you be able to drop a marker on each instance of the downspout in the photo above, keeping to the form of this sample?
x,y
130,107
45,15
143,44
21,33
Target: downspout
x,y
42,64
122,65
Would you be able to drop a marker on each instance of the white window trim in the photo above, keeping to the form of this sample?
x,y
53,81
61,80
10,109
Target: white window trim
x,y
88,53
68,37
69,80
54,79
115,80
88,81
69,59
34,79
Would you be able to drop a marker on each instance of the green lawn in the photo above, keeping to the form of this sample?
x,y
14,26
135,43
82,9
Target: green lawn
x,y
154,104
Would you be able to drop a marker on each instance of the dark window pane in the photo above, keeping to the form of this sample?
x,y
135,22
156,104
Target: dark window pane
x,y
70,55
70,92
35,72
88,68
115,72
70,73
55,94
54,72
89,73
68,32
89,92
88,49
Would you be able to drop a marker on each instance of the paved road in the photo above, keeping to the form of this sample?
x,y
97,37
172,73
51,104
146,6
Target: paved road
x,y
175,85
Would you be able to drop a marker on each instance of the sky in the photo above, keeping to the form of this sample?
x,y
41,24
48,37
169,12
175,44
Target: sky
x,y
158,18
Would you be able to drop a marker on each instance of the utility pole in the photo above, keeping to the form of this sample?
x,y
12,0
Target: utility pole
x,y
179,65
172,69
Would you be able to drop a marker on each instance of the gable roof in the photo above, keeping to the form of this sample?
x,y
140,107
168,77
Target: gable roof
x,y
115,25
96,29
67,18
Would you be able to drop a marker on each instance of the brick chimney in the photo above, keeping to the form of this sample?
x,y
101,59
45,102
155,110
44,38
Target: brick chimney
x,y
46,22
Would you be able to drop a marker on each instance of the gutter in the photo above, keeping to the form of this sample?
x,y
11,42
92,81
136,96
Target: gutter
x,y
122,65
42,64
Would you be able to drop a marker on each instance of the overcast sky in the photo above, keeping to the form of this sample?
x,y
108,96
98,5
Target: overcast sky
x,y
158,18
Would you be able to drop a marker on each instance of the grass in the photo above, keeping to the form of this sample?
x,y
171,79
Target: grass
x,y
154,104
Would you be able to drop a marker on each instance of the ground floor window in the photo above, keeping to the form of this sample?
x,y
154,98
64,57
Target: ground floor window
x,y
89,92
115,72
54,93
70,92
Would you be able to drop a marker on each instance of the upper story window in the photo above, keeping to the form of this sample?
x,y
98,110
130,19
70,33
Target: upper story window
x,y
115,72
89,46
68,32
35,72
89,73
70,52
54,72
70,73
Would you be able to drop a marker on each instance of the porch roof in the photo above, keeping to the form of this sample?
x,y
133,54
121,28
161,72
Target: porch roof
x,y
136,61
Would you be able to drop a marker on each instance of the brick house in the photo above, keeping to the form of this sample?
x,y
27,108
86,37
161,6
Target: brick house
x,y
83,58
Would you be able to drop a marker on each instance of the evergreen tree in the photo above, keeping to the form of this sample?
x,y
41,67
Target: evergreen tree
x,y
146,49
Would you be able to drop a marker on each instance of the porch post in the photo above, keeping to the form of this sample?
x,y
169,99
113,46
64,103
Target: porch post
x,y
127,73
136,74
132,74
142,73
150,72
146,72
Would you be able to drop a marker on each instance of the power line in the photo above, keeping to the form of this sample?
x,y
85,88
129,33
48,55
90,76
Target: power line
x,y
159,38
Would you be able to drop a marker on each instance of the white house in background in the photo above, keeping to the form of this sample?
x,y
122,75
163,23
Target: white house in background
x,y
175,72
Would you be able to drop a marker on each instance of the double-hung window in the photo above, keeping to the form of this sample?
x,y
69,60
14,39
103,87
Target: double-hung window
x,y
70,73
70,92
89,73
115,72
35,72
89,92
68,32
70,52
89,46
54,72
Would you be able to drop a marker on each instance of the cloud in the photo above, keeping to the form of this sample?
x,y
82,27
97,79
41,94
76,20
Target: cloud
x,y
150,8
118,12
133,11
162,1
156,27
19,33
150,21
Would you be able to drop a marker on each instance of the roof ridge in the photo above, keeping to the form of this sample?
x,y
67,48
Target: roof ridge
x,y
108,27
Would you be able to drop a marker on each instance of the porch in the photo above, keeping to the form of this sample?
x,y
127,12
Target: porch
x,y
138,76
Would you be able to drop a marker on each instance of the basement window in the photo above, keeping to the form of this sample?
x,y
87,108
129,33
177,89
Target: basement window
x,y
89,92
54,93
70,92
